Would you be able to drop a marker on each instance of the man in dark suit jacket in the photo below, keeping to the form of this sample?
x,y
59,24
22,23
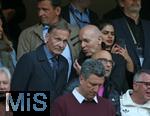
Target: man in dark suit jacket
x,y
135,32
35,71
78,13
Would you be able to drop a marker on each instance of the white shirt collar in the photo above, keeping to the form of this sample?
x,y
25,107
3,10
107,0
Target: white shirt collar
x,y
80,97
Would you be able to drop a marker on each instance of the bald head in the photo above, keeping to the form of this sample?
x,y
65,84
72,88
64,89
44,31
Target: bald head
x,y
102,54
90,37
106,59
91,30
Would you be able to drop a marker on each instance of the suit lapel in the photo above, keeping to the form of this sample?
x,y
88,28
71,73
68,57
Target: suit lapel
x,y
45,65
62,73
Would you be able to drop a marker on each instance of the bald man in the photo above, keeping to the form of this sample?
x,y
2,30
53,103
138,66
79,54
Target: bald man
x,y
106,59
91,38
108,90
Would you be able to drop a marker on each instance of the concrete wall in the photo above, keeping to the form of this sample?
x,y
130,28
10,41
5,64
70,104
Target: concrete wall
x,y
99,6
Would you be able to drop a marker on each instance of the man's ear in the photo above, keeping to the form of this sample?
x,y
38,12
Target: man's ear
x,y
58,10
100,40
135,86
81,79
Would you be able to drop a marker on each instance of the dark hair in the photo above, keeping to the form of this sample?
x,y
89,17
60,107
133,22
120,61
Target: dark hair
x,y
92,66
101,25
5,27
54,3
5,35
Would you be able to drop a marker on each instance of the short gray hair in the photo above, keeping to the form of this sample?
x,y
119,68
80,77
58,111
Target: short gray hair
x,y
137,76
63,26
5,71
92,66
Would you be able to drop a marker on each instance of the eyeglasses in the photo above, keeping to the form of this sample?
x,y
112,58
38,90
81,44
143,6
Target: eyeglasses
x,y
145,83
105,61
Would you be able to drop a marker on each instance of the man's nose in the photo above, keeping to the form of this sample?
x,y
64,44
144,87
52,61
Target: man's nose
x,y
83,44
2,87
62,44
40,12
96,89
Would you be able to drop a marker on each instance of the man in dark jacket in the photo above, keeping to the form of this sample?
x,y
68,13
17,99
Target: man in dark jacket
x,y
44,69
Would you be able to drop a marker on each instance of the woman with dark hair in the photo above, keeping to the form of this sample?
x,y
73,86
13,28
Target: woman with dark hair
x,y
14,12
124,68
7,53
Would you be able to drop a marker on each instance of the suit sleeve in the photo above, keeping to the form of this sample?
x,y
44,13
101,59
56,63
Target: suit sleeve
x,y
22,74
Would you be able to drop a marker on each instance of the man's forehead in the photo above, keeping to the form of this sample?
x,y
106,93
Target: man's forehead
x,y
103,54
87,35
145,76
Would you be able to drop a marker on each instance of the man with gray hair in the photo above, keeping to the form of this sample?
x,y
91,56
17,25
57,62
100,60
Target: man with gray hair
x,y
49,14
44,69
136,102
84,101
5,79
135,32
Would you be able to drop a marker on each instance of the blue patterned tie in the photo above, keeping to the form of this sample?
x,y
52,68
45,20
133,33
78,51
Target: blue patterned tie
x,y
55,68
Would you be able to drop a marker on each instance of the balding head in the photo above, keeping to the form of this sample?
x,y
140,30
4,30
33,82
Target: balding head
x,y
106,59
92,30
102,54
90,37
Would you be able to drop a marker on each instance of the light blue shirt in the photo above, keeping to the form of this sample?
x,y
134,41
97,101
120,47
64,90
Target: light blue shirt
x,y
49,55
67,54
78,18
45,30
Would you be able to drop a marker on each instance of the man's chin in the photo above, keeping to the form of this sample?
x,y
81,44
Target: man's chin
x,y
58,53
44,22
88,54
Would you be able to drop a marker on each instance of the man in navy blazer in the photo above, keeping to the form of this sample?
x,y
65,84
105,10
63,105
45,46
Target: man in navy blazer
x,y
35,70
135,32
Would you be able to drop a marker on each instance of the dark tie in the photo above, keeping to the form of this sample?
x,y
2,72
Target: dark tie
x,y
55,68
87,101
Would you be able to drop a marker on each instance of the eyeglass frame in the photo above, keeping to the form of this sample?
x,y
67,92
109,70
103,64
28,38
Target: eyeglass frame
x,y
143,82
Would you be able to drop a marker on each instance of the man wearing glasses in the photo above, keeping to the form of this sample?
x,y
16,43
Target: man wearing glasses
x,y
136,102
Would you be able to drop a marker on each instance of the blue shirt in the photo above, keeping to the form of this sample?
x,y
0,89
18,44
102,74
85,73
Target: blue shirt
x,y
49,55
79,18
